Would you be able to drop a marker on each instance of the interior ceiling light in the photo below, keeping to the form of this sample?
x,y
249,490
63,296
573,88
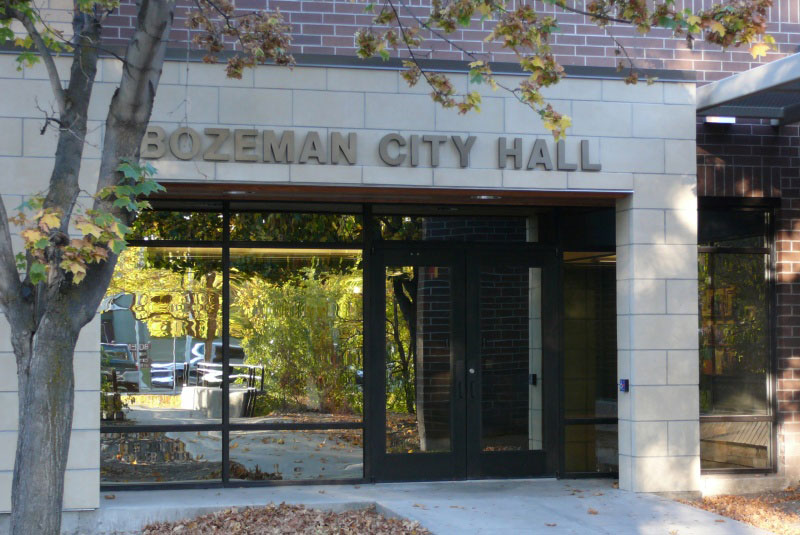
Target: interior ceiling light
x,y
485,197
717,119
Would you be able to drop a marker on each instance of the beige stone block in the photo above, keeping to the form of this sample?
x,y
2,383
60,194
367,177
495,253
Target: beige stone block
x,y
663,261
398,176
25,175
664,121
625,155
683,367
177,103
89,337
607,119
89,175
101,100
38,71
653,402
399,112
665,474
622,230
8,449
680,156
488,119
278,77
459,82
602,181
5,336
328,109
624,332
8,362
20,99
82,489
172,72
681,227
682,296
87,370
5,491
574,89
11,137
84,450
648,368
484,89
672,331
8,66
363,80
624,296
534,179
648,296
86,414
521,119
625,476
624,436
330,174
647,227
680,93
676,192
684,438
214,75
188,170
468,178
9,413
649,439
619,91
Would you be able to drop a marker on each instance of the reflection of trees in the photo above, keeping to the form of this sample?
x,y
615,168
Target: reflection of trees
x,y
734,341
401,348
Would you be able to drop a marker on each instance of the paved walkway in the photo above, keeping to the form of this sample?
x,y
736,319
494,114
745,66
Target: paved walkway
x,y
471,507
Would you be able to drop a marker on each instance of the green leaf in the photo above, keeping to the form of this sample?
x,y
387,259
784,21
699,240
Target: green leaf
x,y
384,54
38,273
117,246
41,243
20,258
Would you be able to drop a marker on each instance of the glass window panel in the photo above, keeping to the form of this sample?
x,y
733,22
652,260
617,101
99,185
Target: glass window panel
x,y
296,227
732,228
591,448
455,228
297,454
735,444
418,361
590,337
734,335
184,226
511,353
296,349
161,313
160,457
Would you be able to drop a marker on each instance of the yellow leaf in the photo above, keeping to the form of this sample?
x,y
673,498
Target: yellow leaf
x,y
32,235
87,227
50,220
77,269
693,20
537,62
759,50
718,28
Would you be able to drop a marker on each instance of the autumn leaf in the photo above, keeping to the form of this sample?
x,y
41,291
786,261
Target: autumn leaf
x,y
89,229
759,50
50,220
592,511
718,28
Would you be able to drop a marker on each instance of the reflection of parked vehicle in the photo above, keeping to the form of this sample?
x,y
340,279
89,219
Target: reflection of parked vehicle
x,y
119,358
235,354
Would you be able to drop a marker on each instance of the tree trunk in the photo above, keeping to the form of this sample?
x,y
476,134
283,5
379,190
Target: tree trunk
x,y
46,401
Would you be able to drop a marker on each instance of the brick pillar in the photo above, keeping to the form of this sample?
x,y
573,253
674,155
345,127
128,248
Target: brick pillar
x,y
659,439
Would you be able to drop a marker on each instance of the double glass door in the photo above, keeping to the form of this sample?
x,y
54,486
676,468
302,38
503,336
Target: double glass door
x,y
465,344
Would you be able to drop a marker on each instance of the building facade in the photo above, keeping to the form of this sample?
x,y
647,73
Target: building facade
x,y
489,303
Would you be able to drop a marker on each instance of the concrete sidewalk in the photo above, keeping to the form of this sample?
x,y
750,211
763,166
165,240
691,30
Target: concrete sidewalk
x,y
542,506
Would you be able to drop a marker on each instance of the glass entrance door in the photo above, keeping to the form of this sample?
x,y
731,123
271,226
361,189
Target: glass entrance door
x,y
465,364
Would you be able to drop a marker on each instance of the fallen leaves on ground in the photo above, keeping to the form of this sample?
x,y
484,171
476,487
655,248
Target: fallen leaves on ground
x,y
281,519
777,511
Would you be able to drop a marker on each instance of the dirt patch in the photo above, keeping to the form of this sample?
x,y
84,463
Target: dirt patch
x,y
283,518
777,511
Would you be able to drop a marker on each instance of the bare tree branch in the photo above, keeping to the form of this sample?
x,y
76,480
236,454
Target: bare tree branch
x,y
47,58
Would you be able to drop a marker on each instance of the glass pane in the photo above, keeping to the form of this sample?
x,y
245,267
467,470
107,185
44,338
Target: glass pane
x,y
734,337
418,361
186,226
590,336
591,448
454,228
161,314
292,455
511,356
735,444
732,228
296,351
296,227
160,457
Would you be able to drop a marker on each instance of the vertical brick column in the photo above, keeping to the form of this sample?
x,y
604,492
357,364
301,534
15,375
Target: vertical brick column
x,y
659,442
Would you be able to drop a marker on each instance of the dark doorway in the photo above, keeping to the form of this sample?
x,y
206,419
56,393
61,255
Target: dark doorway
x,y
466,343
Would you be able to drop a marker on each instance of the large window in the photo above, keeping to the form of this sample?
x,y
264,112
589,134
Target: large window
x,y
232,349
736,337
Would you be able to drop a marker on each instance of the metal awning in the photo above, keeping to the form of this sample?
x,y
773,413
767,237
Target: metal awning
x,y
771,91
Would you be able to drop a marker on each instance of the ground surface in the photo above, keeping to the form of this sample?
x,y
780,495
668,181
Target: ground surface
x,y
778,511
543,506
282,519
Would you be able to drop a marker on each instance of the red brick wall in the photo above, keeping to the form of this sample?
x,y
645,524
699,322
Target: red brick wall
x,y
327,27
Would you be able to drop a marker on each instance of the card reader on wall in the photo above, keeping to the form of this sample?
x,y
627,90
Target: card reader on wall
x,y
623,385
